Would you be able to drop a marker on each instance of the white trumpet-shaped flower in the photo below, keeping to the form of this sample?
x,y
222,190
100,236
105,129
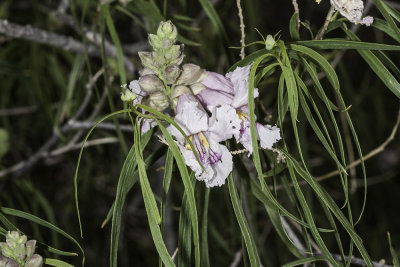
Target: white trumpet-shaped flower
x,y
205,133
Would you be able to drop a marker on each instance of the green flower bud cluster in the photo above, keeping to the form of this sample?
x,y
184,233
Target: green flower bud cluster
x,y
163,79
17,251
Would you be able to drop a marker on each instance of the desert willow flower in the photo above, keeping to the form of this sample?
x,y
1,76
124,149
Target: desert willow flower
x,y
205,133
189,91
17,251
352,10
233,90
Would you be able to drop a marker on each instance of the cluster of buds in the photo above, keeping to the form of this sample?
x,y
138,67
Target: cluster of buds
x,y
17,251
210,108
163,78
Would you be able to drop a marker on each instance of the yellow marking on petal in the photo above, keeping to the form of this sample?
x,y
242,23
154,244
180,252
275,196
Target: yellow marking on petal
x,y
241,115
203,140
188,145
318,1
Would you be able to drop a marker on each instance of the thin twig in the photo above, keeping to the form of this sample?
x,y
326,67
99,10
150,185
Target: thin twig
x,y
70,147
297,12
64,42
103,125
18,169
18,111
236,259
44,37
242,34
326,23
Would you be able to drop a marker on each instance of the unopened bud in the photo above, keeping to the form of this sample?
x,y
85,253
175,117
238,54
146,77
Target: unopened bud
x,y
180,90
146,71
128,96
197,88
171,73
151,83
158,101
31,244
12,263
34,261
158,59
173,52
3,261
20,252
167,29
190,74
6,251
147,59
269,42
154,41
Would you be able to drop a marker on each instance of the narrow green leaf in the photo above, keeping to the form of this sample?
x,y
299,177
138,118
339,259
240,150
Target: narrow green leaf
x,y
380,70
304,261
185,233
33,218
294,32
204,230
57,263
384,9
214,17
127,174
244,227
114,36
346,44
150,204
188,189
79,161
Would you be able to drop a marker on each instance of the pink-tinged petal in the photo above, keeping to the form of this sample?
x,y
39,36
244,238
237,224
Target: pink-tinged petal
x,y
220,169
244,135
218,82
268,135
147,125
240,80
224,123
191,116
214,157
135,88
367,21
210,98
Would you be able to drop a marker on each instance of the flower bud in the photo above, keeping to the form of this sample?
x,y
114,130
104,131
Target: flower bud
x,y
6,251
165,44
126,96
34,261
31,244
3,261
158,59
12,263
158,101
171,73
20,252
167,29
146,71
190,74
197,88
147,59
151,83
173,52
154,41
269,42
180,90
